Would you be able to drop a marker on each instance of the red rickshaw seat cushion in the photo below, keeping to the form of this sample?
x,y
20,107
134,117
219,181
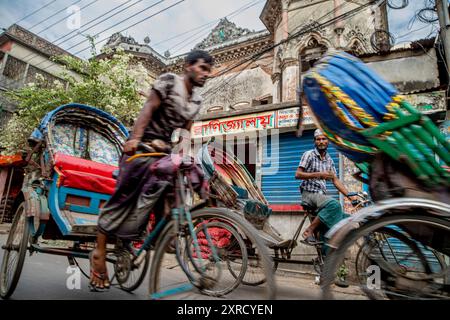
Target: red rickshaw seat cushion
x,y
84,174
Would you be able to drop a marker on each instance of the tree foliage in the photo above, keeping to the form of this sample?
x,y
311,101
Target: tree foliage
x,y
111,84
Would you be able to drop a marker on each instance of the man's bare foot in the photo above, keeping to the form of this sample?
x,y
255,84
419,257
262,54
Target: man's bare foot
x,y
308,233
99,274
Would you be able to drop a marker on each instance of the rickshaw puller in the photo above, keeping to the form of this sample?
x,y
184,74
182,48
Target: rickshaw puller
x,y
171,104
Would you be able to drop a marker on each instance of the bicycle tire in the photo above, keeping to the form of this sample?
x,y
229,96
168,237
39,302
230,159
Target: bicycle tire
x,y
130,283
243,256
336,255
408,242
220,214
7,287
249,281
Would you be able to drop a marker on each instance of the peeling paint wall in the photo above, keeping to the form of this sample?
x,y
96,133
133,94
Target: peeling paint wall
x,y
409,73
290,83
353,33
235,88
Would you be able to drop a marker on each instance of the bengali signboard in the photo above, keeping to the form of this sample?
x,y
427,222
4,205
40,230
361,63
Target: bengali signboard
x,y
283,118
289,117
234,125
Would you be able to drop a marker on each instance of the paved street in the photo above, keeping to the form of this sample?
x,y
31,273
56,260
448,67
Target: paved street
x,y
44,277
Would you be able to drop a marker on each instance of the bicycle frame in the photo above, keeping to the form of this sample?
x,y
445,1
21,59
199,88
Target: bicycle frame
x,y
308,214
182,218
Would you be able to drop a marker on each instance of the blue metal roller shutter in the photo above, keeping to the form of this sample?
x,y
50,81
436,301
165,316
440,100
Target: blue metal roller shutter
x,y
282,188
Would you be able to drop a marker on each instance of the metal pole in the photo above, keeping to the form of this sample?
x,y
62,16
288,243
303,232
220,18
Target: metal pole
x,y
7,194
444,21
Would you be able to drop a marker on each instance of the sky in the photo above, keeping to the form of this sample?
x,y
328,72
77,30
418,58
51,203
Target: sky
x,y
183,17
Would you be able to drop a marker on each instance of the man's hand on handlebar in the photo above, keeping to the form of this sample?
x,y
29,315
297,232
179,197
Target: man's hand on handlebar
x,y
356,198
131,146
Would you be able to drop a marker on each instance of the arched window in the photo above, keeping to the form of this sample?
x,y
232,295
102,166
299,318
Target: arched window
x,y
310,54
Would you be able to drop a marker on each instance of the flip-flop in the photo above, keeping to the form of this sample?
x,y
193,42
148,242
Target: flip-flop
x,y
310,240
100,275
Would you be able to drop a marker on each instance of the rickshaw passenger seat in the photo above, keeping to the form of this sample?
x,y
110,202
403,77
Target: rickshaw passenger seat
x,y
85,175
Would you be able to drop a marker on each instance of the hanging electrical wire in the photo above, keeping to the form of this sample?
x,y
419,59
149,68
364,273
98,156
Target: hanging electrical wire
x,y
382,37
392,4
427,15
78,32
304,30
35,11
53,15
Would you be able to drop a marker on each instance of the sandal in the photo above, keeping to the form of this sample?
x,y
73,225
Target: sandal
x,y
311,240
99,275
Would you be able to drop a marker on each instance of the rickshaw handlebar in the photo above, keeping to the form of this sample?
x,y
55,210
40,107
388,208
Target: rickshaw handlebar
x,y
145,147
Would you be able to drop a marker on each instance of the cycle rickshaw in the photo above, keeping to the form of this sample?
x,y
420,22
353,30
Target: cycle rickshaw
x,y
400,244
71,173
233,186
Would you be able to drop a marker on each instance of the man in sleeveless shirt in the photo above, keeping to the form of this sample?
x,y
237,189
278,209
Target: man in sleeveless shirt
x,y
172,103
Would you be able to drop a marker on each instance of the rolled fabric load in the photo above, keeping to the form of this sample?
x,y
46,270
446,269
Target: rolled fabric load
x,y
363,115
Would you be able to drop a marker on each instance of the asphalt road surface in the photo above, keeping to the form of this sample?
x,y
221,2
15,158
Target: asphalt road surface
x,y
44,277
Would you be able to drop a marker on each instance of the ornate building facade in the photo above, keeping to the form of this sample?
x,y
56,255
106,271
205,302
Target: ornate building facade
x,y
232,86
313,27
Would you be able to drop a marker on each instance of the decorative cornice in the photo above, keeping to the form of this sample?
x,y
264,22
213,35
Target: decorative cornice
x,y
270,14
34,41
289,63
276,76
223,32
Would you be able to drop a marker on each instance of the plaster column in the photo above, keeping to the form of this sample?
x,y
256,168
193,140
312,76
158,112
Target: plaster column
x,y
290,80
276,92
284,16
339,24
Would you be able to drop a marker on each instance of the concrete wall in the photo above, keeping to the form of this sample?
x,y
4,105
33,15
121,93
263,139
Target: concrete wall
x,y
236,88
409,72
40,61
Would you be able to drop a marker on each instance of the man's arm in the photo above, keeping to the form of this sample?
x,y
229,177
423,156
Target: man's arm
x,y
340,186
304,163
150,106
342,189
300,174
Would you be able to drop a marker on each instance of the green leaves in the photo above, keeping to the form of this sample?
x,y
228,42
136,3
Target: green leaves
x,y
112,85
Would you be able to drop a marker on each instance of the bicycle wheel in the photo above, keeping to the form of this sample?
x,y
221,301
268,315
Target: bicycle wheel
x,y
170,276
14,252
129,275
253,275
389,261
230,249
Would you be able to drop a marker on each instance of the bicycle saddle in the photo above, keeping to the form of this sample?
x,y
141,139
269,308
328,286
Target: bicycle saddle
x,y
308,207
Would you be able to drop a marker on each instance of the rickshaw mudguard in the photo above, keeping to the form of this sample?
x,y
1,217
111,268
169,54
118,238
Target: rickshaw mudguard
x,y
36,206
339,231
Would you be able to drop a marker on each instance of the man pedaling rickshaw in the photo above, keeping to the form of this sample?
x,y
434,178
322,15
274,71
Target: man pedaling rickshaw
x,y
315,168
171,104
